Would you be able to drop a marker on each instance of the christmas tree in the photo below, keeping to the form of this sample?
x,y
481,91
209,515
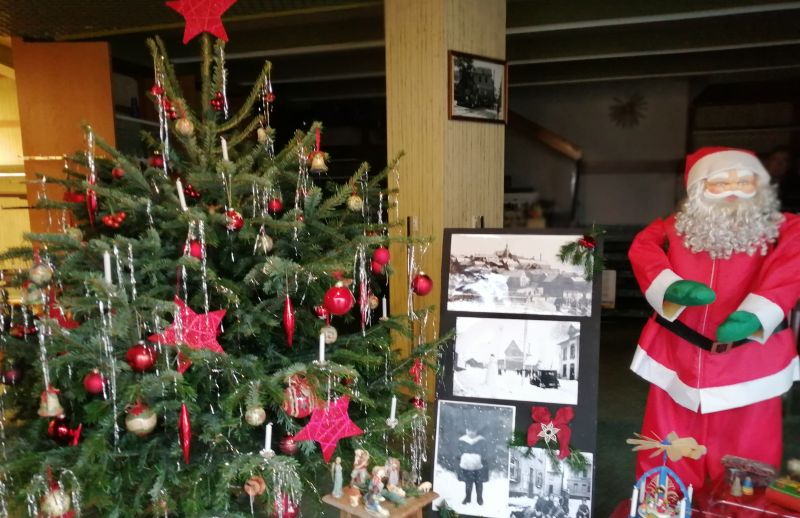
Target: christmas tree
x,y
176,349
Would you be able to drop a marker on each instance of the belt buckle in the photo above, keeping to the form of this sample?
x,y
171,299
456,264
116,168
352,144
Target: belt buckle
x,y
721,347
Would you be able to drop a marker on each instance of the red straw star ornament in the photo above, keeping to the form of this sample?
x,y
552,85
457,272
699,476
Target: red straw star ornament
x,y
328,425
196,331
202,16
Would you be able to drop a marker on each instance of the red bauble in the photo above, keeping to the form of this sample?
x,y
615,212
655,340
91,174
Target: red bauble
x,y
288,446
275,205
191,192
156,161
422,284
338,299
156,90
270,97
58,429
217,102
299,398
11,376
234,220
377,268
284,507
381,255
321,312
195,248
74,197
141,357
418,402
118,172
94,382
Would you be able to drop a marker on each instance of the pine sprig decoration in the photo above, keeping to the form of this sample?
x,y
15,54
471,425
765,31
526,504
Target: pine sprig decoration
x,y
584,253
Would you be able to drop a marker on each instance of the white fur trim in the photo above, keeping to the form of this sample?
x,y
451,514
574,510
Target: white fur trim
x,y
768,313
714,399
722,161
655,292
667,379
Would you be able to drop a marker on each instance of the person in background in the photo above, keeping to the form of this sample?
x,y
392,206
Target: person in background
x,y
473,467
780,165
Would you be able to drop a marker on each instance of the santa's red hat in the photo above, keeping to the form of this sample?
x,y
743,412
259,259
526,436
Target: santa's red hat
x,y
708,161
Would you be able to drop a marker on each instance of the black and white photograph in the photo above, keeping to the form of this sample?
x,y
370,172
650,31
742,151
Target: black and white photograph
x,y
515,273
477,88
538,488
522,360
472,458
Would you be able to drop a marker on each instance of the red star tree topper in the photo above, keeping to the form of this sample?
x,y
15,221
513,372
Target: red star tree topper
x,y
202,16
195,330
328,425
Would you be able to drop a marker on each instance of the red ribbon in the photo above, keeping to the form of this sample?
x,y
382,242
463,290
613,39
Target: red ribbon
x,y
541,416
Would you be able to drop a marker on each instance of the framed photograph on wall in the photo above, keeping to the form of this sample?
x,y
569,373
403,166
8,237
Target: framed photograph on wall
x,y
515,273
472,457
537,487
477,88
521,360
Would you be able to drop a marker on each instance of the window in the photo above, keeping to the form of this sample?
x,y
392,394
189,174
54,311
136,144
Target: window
x,y
572,371
539,480
564,371
572,352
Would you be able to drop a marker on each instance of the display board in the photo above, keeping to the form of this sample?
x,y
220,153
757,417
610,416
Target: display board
x,y
526,336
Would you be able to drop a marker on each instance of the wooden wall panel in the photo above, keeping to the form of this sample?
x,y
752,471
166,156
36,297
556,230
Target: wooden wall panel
x,y
60,86
452,170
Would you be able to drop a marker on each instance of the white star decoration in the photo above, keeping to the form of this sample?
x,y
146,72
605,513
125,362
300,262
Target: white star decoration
x,y
549,432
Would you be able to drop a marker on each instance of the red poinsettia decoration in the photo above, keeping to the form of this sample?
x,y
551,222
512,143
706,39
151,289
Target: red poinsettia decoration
x,y
549,429
587,241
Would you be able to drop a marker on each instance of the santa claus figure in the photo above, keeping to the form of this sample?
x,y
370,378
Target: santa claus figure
x,y
721,274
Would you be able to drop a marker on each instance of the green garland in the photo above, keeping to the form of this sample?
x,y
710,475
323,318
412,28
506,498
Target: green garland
x,y
576,460
583,252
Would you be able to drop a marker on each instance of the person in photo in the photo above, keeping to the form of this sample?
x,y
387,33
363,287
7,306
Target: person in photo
x,y
492,372
473,467
583,509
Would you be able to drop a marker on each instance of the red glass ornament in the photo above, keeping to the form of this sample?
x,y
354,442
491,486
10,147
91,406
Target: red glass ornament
x,y
191,192
376,267
185,432
418,402
156,161
338,300
299,398
275,205
195,248
94,382
11,376
422,284
381,255
284,507
321,312
288,320
141,357
58,429
118,172
288,446
74,197
234,220
156,90
270,97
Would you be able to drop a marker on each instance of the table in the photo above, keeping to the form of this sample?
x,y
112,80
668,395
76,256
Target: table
x,y
412,508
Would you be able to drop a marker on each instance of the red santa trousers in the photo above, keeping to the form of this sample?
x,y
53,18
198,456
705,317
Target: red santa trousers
x,y
752,431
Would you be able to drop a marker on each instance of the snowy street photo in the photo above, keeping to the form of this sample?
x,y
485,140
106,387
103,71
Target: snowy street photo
x,y
472,458
515,273
538,488
521,360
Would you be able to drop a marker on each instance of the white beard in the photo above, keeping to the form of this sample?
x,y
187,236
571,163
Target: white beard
x,y
723,228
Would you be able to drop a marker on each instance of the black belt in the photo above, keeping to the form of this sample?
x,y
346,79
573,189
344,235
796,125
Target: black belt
x,y
680,329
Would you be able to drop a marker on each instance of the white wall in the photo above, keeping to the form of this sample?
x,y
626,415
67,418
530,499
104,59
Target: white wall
x,y
645,186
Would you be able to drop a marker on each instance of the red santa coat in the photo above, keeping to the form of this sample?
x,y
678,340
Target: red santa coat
x,y
767,286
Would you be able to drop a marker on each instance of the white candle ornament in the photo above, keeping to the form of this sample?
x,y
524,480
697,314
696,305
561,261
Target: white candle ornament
x,y
393,411
634,501
682,512
268,437
107,267
383,307
322,348
224,148
181,197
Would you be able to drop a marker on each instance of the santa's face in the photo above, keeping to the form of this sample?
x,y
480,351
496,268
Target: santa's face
x,y
731,186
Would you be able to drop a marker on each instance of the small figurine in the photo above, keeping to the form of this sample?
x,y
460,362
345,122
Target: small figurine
x,y
747,486
360,475
736,487
373,498
393,471
336,472
425,487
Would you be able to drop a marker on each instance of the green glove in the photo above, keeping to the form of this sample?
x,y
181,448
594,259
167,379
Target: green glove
x,y
689,293
738,325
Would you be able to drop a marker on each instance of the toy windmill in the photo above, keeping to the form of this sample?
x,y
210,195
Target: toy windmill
x,y
659,492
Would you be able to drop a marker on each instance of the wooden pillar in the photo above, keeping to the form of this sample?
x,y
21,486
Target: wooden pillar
x,y
60,86
452,171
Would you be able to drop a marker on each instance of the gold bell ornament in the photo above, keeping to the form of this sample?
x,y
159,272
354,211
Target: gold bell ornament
x,y
317,158
49,405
